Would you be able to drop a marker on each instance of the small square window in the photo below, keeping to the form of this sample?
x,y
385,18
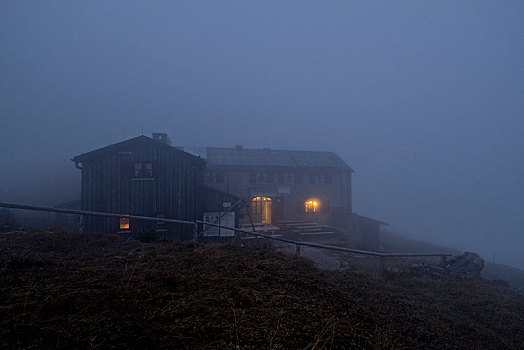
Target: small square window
x,y
124,224
143,170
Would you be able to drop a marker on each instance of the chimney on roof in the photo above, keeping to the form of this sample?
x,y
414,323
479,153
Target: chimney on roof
x,y
162,137
239,147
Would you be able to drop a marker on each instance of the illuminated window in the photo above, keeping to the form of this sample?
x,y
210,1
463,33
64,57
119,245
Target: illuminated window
x,y
312,206
124,223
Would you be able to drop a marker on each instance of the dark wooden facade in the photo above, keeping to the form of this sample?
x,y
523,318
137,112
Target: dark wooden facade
x,y
213,200
147,177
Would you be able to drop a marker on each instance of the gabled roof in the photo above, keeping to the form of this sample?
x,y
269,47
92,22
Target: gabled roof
x,y
268,157
135,140
370,219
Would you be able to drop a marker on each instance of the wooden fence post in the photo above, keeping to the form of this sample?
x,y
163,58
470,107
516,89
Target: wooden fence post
x,y
195,232
382,264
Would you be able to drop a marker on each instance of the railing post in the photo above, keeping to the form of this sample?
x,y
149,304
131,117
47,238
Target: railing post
x,y
298,249
382,264
195,231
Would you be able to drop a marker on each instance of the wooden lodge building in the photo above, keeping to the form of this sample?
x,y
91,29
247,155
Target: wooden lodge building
x,y
147,176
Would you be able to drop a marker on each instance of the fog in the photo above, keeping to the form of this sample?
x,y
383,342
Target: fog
x,y
423,99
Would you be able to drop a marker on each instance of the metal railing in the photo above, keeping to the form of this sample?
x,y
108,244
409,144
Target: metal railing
x,y
298,244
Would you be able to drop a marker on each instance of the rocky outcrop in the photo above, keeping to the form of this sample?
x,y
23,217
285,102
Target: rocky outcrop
x,y
466,266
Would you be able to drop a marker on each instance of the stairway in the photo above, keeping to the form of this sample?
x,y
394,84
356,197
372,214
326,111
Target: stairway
x,y
305,229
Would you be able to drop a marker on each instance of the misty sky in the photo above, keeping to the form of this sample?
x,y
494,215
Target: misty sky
x,y
424,99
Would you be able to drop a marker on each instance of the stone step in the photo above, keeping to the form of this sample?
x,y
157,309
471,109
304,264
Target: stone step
x,y
311,228
316,233
291,222
302,224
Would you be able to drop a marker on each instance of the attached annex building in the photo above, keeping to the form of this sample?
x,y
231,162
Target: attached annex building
x,y
286,185
282,185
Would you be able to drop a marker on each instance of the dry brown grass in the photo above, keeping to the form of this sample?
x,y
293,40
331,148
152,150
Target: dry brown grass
x,y
67,290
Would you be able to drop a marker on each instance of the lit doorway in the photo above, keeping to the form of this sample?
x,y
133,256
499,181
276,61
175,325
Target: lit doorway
x,y
261,207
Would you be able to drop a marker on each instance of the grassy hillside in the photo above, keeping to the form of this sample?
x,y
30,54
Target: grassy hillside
x,y
67,290
512,275
393,242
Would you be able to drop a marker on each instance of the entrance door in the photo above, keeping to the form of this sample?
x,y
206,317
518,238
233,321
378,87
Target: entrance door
x,y
261,207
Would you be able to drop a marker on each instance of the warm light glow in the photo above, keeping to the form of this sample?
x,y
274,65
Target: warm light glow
x,y
258,199
262,206
312,206
124,223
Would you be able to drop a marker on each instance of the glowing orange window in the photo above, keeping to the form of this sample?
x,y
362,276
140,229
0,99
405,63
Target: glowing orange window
x,y
312,206
124,223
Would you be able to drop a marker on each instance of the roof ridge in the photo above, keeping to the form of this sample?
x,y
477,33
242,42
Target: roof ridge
x,y
98,151
269,157
267,149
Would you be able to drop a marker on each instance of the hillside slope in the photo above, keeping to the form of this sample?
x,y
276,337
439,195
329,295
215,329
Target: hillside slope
x,y
393,242
68,290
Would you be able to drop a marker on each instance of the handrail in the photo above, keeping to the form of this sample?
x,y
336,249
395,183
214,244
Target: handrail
x,y
92,213
325,246
298,244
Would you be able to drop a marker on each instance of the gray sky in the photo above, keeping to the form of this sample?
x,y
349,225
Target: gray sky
x,y
424,99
